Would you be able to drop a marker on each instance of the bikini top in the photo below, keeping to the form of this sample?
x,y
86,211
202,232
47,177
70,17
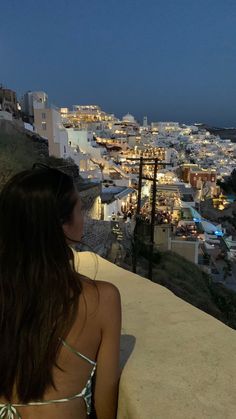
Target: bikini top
x,y
9,411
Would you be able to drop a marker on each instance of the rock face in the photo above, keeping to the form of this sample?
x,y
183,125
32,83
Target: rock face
x,y
97,237
11,127
20,148
88,192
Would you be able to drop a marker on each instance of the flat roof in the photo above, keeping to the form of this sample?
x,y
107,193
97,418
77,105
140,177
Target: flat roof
x,y
181,187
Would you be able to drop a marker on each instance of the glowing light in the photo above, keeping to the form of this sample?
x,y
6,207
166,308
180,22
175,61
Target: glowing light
x,y
218,233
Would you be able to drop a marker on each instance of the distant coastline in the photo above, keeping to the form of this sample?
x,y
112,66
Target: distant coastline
x,y
224,133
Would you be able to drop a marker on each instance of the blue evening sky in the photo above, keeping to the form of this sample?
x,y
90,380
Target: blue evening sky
x,y
167,59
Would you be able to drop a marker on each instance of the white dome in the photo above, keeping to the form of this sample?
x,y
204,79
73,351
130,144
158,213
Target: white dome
x,y
128,118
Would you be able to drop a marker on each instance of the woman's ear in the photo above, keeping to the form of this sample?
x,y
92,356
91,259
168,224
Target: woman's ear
x,y
65,227
67,230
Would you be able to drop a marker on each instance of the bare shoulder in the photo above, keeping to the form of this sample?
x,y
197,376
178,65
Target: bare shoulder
x,y
106,289
109,298
110,302
106,293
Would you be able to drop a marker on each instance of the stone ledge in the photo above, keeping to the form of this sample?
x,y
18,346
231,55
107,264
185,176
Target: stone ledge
x,y
178,362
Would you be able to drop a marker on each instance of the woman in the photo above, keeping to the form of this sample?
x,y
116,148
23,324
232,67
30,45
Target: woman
x,y
59,331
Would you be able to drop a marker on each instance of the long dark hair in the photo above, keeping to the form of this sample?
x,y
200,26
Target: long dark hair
x,y
39,288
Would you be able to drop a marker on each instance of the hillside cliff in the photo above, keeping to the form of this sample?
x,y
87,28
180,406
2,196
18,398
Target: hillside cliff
x,y
20,149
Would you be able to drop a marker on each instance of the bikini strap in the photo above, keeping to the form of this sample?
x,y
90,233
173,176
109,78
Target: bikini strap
x,y
77,352
8,411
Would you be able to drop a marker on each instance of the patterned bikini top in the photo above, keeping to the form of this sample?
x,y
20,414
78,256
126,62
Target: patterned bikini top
x,y
9,410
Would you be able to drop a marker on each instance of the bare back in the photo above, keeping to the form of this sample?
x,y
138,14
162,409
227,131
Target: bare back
x,y
93,336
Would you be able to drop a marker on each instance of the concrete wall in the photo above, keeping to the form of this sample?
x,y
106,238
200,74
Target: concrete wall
x,y
162,235
77,136
65,150
185,248
33,100
122,182
177,362
48,124
46,130
197,178
83,139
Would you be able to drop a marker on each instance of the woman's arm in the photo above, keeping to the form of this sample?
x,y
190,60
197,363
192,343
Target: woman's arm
x,y
108,372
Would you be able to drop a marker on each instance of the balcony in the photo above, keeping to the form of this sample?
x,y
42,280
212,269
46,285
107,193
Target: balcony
x,y
177,362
